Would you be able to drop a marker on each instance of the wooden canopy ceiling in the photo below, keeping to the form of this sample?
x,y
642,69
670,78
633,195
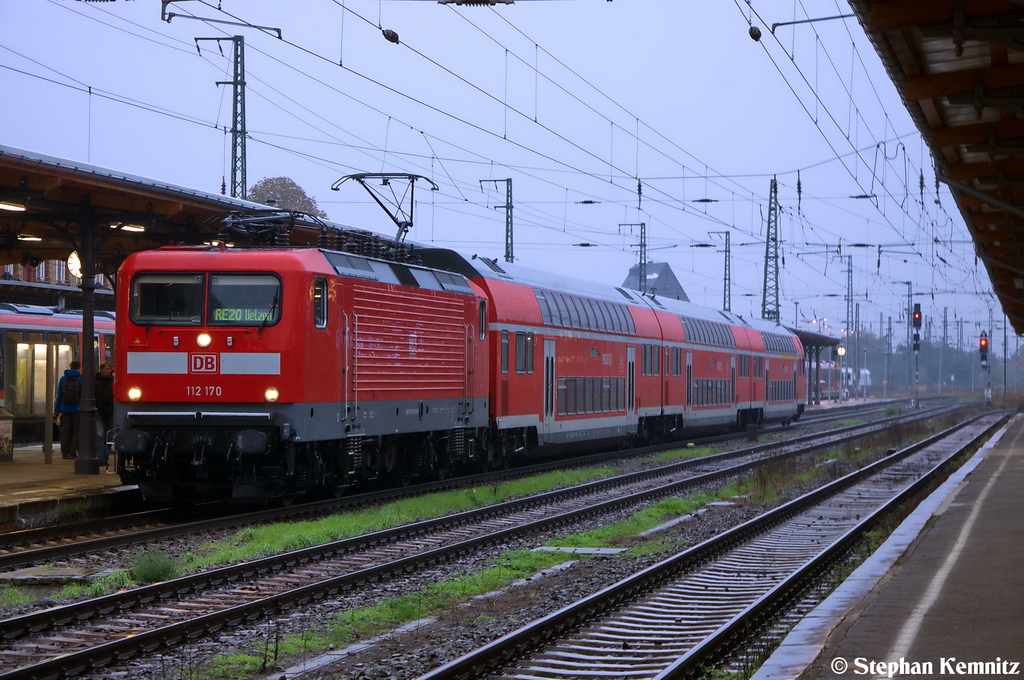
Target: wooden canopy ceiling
x,y
959,65
54,199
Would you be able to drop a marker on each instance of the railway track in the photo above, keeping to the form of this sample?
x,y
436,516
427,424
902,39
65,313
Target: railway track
x,y
72,639
53,543
684,616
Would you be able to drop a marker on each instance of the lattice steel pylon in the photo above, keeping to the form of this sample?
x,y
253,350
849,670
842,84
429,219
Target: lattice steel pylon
x,y
770,294
851,325
238,183
642,271
509,249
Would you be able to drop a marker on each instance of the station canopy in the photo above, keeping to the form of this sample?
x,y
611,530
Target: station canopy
x,y
959,65
48,205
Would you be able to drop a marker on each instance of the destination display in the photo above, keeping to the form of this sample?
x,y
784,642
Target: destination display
x,y
242,315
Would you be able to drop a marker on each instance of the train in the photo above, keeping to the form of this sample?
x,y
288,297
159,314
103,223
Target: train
x,y
28,333
839,383
255,374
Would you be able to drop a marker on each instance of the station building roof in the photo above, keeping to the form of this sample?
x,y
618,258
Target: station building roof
x,y
53,198
959,67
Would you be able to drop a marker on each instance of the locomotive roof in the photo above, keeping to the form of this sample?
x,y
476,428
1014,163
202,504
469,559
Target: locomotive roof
x,y
478,267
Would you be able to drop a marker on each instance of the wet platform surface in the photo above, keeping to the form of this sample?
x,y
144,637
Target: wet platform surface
x,y
34,492
943,596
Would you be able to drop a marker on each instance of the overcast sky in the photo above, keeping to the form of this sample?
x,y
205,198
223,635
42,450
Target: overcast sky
x,y
579,102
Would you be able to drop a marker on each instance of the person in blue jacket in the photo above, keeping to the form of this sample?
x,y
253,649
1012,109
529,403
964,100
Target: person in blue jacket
x,y
69,398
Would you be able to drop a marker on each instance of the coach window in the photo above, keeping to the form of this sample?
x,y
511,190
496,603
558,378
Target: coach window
x,y
530,339
520,352
574,316
621,325
504,351
320,303
588,305
556,315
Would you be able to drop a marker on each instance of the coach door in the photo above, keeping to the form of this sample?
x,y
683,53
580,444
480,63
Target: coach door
x,y
549,385
689,380
30,366
732,381
630,380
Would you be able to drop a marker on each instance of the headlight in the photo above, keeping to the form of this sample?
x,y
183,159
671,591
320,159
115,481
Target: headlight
x,y
271,394
203,339
134,393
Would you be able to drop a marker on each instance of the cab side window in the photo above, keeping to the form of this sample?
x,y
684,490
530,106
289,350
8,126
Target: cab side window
x,y
320,303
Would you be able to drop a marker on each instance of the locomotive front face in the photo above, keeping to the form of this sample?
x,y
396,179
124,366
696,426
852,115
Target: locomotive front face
x,y
195,337
206,400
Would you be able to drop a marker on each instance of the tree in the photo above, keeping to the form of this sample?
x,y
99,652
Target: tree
x,y
281,192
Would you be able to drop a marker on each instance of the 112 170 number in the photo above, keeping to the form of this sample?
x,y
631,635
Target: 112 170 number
x,y
203,390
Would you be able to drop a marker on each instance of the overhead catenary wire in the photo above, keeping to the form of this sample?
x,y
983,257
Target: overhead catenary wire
x,y
622,178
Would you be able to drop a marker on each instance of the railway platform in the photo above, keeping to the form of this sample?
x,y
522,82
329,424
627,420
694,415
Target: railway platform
x,y
942,596
34,493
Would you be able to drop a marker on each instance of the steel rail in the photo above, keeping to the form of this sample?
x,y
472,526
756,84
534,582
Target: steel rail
x,y
732,634
558,624
111,539
143,642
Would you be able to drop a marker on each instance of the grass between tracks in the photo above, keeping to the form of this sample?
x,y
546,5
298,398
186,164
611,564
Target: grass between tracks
x,y
763,487
360,624
255,542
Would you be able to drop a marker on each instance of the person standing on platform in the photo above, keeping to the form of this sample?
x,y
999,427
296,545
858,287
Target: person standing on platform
x,y
69,397
104,408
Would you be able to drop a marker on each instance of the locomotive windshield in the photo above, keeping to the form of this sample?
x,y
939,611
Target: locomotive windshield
x,y
233,299
244,300
167,299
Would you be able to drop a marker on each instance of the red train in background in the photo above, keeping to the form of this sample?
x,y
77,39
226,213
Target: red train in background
x,y
36,344
269,372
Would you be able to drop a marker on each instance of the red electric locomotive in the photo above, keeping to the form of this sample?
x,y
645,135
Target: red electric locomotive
x,y
254,373
267,372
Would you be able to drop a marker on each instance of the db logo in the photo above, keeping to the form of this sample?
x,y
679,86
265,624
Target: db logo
x,y
202,363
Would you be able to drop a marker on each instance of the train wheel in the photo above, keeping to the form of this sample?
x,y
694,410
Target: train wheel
x,y
389,457
268,474
335,485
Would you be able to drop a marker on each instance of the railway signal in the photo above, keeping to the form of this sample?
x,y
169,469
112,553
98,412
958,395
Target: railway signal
x,y
983,346
917,324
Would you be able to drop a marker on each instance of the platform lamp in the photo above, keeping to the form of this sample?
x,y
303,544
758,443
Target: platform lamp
x,y
82,265
841,351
